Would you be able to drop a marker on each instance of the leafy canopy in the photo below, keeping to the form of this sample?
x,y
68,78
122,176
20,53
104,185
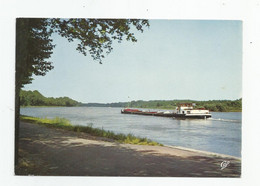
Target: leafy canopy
x,y
94,36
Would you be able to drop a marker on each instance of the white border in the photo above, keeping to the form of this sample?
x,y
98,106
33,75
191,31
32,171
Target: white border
x,y
245,10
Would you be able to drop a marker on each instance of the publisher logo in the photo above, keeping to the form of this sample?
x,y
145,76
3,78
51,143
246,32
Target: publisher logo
x,y
224,164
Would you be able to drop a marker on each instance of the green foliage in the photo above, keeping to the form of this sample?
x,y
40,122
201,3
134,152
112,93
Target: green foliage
x,y
33,49
65,124
213,105
34,46
57,120
35,98
94,36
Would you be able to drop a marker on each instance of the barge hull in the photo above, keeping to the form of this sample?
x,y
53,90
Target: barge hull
x,y
148,114
169,115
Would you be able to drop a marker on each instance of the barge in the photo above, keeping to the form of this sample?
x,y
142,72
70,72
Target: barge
x,y
184,110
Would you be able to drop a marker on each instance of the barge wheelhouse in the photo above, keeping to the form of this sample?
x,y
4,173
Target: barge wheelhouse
x,y
186,110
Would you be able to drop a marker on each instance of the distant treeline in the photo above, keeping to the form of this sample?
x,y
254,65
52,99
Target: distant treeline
x,y
35,98
213,105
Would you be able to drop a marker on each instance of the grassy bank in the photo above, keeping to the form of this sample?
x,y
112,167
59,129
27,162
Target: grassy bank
x,y
63,123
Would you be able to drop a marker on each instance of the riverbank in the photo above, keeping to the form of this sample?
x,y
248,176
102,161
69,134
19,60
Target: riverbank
x,y
63,123
147,108
52,151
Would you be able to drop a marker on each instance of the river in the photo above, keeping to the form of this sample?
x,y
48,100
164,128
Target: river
x,y
220,134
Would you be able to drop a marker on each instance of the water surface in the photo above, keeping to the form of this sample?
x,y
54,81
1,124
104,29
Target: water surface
x,y
220,134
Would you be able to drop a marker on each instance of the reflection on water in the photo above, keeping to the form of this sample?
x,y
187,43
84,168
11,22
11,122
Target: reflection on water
x,y
221,133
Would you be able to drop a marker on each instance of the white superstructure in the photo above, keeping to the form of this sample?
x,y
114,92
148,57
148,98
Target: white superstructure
x,y
187,110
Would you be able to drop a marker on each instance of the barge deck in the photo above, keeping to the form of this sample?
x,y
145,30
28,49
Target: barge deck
x,y
184,110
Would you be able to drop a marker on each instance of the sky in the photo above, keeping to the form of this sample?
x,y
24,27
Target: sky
x,y
173,59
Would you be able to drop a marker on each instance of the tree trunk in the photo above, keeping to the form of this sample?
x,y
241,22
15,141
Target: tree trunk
x,y
17,123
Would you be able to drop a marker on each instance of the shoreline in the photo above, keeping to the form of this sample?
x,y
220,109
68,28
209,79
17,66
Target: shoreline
x,y
117,107
65,124
204,152
59,152
38,122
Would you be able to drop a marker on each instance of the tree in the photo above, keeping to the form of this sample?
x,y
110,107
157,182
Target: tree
x,y
94,36
34,44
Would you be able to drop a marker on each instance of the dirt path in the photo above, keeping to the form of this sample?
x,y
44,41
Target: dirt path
x,y
47,151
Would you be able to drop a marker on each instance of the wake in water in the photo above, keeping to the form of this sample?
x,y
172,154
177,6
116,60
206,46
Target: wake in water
x,y
225,120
